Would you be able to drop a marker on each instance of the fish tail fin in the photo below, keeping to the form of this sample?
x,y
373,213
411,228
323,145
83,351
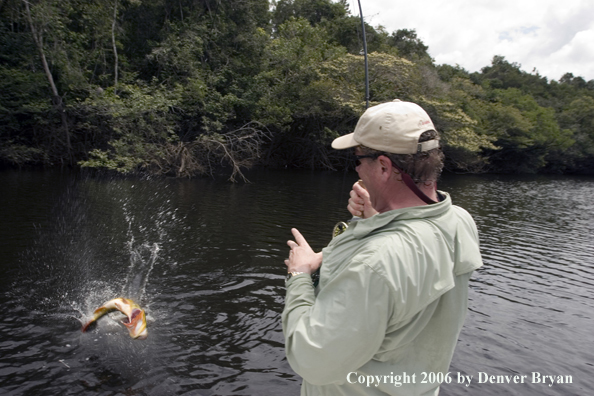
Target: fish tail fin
x,y
99,312
89,324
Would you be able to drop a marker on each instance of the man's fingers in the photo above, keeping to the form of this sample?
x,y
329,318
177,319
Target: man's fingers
x,y
298,237
356,198
360,191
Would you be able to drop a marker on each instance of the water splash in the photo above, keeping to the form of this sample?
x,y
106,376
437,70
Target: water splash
x,y
136,236
142,261
144,253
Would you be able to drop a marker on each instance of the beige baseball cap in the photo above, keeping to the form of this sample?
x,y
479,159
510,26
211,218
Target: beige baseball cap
x,y
393,127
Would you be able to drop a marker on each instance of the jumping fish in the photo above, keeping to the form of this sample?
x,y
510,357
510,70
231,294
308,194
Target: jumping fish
x,y
135,321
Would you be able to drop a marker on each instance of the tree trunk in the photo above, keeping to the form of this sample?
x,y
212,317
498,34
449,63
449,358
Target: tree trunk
x,y
113,41
56,98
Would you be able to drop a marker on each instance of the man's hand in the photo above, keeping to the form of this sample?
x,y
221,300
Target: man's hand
x,y
302,258
360,203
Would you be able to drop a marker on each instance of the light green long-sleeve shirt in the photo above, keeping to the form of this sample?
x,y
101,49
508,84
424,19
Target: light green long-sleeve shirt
x,y
389,307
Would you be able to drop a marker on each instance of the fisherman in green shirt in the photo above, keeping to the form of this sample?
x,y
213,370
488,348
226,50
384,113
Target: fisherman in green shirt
x,y
393,289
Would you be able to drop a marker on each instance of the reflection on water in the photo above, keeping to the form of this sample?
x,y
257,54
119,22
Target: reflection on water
x,y
531,308
204,258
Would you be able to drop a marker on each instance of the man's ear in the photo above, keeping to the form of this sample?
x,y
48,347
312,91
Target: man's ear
x,y
385,164
388,168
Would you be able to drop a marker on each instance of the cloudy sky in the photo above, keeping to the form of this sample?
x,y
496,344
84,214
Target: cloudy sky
x,y
553,36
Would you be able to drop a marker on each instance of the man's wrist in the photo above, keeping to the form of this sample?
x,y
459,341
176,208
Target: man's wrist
x,y
292,274
306,269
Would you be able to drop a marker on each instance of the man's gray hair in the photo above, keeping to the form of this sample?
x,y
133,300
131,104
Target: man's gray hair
x,y
422,167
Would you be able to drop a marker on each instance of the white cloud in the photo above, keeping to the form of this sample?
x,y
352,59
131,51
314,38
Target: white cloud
x,y
550,36
577,56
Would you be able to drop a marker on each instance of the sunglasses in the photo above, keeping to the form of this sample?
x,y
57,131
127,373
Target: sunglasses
x,y
357,158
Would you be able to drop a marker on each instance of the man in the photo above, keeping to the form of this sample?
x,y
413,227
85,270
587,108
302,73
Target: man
x,y
393,289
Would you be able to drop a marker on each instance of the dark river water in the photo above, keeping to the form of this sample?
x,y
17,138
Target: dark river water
x,y
204,258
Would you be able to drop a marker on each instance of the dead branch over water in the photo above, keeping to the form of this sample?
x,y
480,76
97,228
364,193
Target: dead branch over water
x,y
238,149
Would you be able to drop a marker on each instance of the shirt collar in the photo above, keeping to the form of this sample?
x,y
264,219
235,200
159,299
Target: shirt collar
x,y
364,227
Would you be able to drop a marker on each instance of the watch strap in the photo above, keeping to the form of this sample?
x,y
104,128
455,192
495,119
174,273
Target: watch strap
x,y
292,274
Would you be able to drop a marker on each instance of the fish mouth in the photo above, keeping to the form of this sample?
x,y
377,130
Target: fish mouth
x,y
136,324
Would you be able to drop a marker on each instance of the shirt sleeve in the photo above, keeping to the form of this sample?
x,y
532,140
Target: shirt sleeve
x,y
341,329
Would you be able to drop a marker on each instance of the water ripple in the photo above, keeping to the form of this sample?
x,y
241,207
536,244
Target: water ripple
x,y
213,286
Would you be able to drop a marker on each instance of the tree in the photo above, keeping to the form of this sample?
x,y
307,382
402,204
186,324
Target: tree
x,y
578,117
154,85
46,16
409,45
526,132
569,78
314,11
293,104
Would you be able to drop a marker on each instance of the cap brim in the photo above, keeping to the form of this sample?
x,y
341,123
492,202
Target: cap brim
x,y
345,142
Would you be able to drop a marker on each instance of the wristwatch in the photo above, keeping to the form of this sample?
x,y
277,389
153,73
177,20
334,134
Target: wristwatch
x,y
292,274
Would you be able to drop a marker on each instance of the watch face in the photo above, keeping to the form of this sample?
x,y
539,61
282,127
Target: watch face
x,y
290,275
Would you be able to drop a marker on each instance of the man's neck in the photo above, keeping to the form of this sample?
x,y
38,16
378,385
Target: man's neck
x,y
403,197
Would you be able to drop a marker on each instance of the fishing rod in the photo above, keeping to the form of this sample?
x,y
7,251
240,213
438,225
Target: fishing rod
x,y
341,226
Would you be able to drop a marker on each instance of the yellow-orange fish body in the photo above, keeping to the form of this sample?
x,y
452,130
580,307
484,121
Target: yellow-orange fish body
x,y
135,317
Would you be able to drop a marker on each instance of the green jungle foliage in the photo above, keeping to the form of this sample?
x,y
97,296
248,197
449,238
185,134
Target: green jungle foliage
x,y
190,87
